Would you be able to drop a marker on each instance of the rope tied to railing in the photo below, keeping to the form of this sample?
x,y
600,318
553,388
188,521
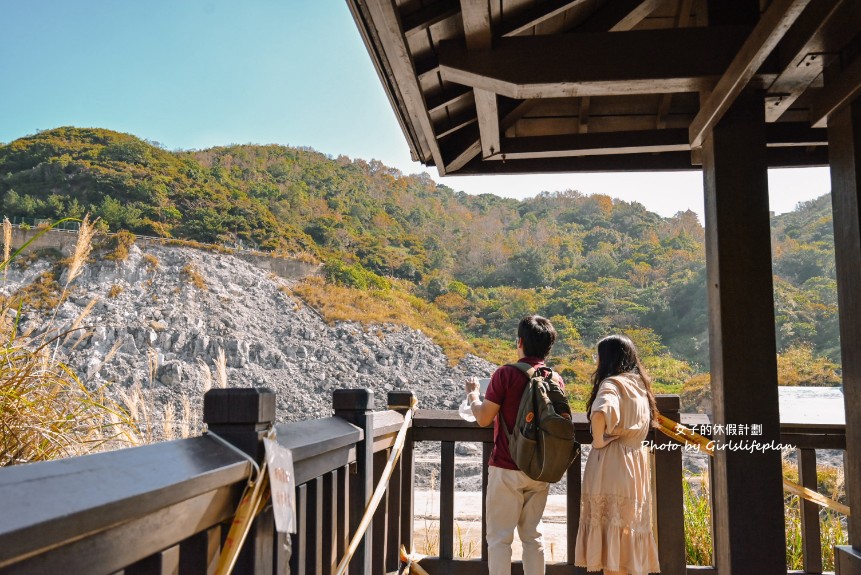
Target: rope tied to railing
x,y
252,502
374,502
679,432
226,443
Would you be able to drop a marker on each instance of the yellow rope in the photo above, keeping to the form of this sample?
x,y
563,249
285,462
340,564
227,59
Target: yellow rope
x,y
371,507
251,503
682,434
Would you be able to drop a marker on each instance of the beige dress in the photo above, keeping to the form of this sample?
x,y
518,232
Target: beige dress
x,y
615,529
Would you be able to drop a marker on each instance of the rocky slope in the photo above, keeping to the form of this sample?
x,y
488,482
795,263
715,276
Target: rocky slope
x,y
165,314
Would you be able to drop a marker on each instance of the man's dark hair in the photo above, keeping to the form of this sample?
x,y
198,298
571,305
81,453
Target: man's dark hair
x,y
537,335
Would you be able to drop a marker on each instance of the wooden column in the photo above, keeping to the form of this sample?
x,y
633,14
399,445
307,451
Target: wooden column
x,y
749,524
844,151
356,406
401,528
669,496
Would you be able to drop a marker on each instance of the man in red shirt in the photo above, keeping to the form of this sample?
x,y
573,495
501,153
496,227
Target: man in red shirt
x,y
513,498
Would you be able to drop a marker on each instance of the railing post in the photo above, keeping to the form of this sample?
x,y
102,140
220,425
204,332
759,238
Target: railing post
x,y
669,499
356,406
401,496
809,511
242,417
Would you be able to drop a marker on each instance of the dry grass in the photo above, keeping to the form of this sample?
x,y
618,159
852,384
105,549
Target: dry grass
x,y
396,306
221,369
45,410
115,291
83,247
193,276
121,242
151,261
7,242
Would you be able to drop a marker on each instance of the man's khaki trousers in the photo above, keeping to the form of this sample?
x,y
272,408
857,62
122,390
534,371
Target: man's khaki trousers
x,y
514,500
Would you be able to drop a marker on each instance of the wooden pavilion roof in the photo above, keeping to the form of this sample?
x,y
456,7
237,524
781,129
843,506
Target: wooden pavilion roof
x,y
516,86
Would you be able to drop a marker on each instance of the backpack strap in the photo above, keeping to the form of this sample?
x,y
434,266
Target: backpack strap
x,y
524,367
530,372
527,370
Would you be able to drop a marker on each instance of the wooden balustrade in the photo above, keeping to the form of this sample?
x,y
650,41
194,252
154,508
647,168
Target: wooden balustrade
x,y
165,508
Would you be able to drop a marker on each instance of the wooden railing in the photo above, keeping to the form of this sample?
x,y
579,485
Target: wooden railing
x,y
165,508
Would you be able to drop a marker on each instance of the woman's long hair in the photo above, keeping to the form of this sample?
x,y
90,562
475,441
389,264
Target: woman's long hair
x,y
616,355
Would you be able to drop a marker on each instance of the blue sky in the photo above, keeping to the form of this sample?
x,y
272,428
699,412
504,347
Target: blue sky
x,y
202,73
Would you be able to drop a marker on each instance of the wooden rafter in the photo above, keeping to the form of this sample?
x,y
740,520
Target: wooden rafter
x,y
836,94
783,134
394,44
596,144
535,15
427,16
801,56
781,157
619,15
683,18
642,62
479,38
781,14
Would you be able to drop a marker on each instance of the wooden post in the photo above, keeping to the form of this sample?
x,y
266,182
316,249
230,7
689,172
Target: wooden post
x,y
844,151
356,406
668,499
810,536
446,501
573,496
749,534
243,417
401,496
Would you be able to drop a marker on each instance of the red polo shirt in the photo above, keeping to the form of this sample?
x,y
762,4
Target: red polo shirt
x,y
505,389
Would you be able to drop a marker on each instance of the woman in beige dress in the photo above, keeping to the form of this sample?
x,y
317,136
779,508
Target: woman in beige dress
x,y
615,532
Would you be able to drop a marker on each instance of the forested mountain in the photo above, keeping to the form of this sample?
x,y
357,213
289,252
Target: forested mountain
x,y
592,263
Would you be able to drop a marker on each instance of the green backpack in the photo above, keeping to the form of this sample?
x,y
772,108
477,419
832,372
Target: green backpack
x,y
542,443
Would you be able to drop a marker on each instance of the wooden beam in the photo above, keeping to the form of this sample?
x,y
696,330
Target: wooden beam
x,y
479,38
427,16
535,15
640,62
488,122
658,162
844,143
618,16
837,94
583,115
801,57
595,144
417,141
783,134
454,122
452,94
394,44
464,145
781,14
682,19
742,341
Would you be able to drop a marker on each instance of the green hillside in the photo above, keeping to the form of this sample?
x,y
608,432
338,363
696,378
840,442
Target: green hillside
x,y
592,263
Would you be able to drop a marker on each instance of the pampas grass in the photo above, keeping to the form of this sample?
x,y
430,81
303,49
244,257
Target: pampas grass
x,y
46,411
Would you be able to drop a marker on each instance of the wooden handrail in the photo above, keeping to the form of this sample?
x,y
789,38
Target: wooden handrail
x,y
106,512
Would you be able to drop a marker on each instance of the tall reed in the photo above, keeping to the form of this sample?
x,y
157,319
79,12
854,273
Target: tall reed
x,y
46,411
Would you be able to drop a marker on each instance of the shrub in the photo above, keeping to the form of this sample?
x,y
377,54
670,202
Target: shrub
x,y
121,242
354,276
